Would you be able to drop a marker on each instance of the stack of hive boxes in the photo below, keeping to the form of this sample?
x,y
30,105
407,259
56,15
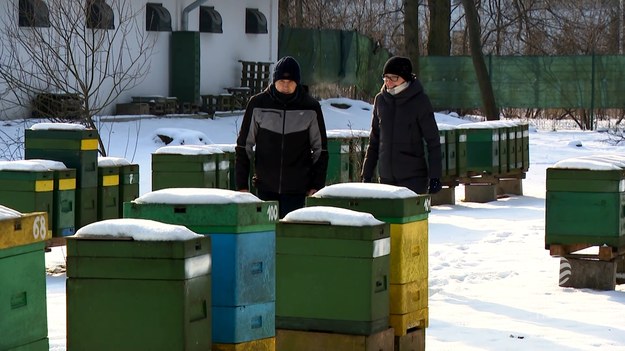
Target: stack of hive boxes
x,y
27,186
189,166
77,148
118,182
407,214
585,201
242,232
339,142
138,285
23,310
332,287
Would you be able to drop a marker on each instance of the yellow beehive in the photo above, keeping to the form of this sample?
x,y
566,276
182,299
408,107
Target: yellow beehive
x,y
408,297
25,229
409,252
401,323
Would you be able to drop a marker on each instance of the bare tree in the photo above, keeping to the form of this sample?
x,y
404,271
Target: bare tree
x,y
488,97
439,38
85,52
411,32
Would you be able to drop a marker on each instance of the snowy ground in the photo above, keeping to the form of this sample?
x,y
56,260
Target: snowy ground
x,y
492,284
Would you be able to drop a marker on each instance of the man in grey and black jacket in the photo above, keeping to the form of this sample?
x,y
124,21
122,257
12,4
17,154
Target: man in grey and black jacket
x,y
403,128
283,132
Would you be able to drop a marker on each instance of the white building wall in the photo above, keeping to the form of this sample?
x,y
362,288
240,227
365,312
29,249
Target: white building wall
x,y
220,52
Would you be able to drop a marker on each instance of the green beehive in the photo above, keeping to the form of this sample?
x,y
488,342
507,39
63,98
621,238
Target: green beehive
x,y
586,180
108,192
128,185
338,156
208,217
76,148
585,202
23,311
444,159
525,145
387,203
451,151
357,149
64,216
511,142
519,147
503,150
585,218
27,187
185,166
226,162
86,206
332,277
478,149
135,294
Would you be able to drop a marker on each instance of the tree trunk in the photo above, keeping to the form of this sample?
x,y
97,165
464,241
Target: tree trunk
x,y
283,12
439,39
475,46
411,33
299,14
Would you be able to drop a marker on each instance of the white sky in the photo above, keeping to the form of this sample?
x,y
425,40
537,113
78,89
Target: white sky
x,y
492,284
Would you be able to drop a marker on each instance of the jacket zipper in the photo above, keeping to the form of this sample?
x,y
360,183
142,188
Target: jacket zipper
x,y
282,151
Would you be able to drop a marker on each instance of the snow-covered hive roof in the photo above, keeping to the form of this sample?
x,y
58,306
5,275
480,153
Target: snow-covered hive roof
x,y
109,161
57,126
137,229
365,190
332,215
188,196
31,165
593,162
189,150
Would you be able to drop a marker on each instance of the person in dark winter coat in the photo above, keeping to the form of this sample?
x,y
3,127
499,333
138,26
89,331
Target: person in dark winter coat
x,y
283,132
404,142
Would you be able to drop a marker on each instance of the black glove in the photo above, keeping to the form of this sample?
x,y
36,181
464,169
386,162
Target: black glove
x,y
435,186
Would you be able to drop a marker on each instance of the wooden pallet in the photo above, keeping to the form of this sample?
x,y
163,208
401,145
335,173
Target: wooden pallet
x,y
55,241
297,340
490,178
606,253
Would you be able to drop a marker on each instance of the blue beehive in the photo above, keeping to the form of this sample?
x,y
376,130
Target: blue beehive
x,y
242,231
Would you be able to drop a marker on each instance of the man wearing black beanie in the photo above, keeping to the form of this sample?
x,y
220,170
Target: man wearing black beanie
x,y
404,142
283,133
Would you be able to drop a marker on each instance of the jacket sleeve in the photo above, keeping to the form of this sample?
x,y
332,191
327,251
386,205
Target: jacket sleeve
x,y
429,128
243,151
371,156
319,147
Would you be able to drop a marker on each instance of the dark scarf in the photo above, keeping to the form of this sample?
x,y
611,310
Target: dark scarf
x,y
284,99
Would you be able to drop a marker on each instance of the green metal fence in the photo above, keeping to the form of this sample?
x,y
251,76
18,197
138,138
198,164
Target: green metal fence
x,y
348,58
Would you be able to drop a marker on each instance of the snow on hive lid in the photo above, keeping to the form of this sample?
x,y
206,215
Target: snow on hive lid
x,y
112,161
189,150
332,215
57,126
593,162
347,133
137,229
23,165
224,147
486,125
187,196
444,126
365,190
8,213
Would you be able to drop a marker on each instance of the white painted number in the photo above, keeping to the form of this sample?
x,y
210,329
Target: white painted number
x,y
427,204
40,228
272,212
